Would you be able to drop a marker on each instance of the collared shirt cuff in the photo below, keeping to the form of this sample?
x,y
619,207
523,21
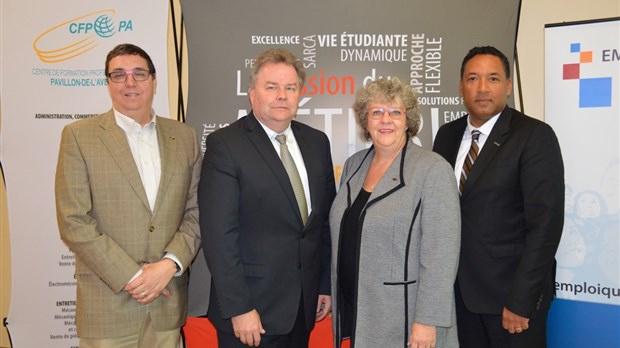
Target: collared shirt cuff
x,y
135,276
173,257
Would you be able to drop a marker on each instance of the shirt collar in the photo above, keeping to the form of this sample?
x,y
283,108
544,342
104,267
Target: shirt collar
x,y
485,129
272,134
129,124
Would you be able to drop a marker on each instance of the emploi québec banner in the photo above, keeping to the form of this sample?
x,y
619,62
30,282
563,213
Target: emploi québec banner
x,y
582,95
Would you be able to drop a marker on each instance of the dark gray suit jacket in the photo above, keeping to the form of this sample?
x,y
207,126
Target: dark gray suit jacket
x,y
512,210
260,254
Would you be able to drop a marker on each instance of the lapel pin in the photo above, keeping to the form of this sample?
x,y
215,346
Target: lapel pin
x,y
496,143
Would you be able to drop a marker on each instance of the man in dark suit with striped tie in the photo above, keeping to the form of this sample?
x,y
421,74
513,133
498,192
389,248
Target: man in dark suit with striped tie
x,y
511,177
265,191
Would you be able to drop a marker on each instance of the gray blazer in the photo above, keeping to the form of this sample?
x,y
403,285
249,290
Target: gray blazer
x,y
407,264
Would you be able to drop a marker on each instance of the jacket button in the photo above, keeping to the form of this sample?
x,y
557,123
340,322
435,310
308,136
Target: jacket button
x,y
152,228
303,235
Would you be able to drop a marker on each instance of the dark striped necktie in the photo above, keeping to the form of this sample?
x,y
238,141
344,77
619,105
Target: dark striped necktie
x,y
470,159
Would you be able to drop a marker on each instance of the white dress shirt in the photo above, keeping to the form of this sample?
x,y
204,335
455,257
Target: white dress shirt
x,y
293,148
144,148
485,130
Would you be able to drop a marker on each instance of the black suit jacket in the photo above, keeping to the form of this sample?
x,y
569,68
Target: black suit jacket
x,y
512,211
260,254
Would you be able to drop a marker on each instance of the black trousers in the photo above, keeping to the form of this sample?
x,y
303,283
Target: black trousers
x,y
476,330
297,338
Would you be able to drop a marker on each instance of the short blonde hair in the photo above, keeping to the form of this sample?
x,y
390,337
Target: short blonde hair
x,y
384,90
277,55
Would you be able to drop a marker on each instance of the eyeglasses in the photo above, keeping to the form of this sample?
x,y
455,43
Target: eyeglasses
x,y
121,75
377,113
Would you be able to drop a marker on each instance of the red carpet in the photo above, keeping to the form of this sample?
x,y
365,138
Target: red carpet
x,y
200,333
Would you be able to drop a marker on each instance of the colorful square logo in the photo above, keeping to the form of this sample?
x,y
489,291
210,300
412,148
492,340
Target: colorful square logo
x,y
594,92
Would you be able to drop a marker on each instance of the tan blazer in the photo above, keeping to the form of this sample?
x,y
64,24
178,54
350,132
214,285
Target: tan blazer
x,y
105,219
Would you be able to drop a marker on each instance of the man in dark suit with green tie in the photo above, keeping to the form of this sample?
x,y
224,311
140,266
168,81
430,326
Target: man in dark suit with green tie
x,y
265,191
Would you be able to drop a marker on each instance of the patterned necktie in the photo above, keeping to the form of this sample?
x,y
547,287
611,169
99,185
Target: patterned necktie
x,y
470,159
293,175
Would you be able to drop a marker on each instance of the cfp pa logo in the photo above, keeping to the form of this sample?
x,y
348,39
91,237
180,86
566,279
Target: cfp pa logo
x,y
593,91
77,36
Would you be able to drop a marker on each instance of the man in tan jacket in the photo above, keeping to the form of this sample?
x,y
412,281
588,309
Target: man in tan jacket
x,y
126,205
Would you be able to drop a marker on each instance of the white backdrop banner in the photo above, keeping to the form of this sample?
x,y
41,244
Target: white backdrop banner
x,y
582,79
53,56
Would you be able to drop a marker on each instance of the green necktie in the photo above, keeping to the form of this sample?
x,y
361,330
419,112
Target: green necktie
x,y
293,175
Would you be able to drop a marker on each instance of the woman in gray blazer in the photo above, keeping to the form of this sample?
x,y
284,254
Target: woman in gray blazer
x,y
395,232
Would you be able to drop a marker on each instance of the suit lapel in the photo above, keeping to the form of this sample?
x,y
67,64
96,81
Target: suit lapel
x,y
113,138
265,148
356,180
391,181
498,135
455,139
168,153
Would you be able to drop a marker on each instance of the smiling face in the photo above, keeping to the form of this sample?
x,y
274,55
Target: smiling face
x,y
275,95
132,98
386,131
484,88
